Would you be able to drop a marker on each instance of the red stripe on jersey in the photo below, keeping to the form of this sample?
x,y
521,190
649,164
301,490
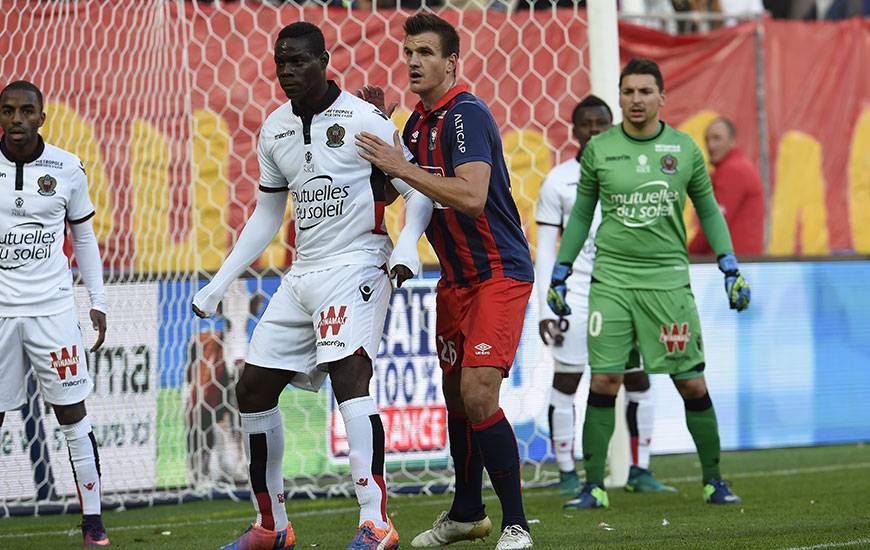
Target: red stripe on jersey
x,y
380,228
460,241
438,245
489,245
463,251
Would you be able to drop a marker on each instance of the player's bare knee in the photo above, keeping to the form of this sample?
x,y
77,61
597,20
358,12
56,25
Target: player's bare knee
x,y
251,397
693,388
636,381
480,400
567,383
70,414
350,377
606,384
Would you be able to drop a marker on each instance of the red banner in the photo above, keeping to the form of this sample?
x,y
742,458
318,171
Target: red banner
x,y
164,107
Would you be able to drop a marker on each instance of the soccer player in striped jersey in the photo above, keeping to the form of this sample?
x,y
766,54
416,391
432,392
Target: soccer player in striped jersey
x,y
486,275
44,188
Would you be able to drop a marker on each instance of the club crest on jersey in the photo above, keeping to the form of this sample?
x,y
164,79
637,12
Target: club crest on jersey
x,y
433,138
675,337
669,164
46,185
335,136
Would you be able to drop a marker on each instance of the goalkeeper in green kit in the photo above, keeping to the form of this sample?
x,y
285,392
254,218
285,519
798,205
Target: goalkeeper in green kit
x,y
641,171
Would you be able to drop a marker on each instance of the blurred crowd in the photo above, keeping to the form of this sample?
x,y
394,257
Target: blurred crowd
x,y
647,11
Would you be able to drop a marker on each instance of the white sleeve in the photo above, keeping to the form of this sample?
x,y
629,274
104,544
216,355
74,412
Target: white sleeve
x,y
89,262
386,130
270,176
548,209
79,208
418,212
548,235
258,232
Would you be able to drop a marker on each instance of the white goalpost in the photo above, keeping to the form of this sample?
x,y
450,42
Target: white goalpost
x,y
162,99
604,77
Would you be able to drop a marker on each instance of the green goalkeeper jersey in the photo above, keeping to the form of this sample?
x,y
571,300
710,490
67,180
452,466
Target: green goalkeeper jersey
x,y
642,185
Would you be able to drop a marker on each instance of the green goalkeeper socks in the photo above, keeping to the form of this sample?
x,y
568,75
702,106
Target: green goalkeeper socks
x,y
597,430
701,421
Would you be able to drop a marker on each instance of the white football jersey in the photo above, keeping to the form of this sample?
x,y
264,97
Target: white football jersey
x,y
38,197
556,199
337,196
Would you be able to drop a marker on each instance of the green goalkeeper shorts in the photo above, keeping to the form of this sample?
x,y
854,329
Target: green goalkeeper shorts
x,y
664,323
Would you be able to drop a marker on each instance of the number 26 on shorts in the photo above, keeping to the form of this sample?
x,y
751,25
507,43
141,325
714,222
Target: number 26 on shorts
x,y
448,351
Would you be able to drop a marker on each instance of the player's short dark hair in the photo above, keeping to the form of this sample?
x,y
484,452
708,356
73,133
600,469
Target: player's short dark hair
x,y
639,65
732,130
589,102
25,86
308,32
429,22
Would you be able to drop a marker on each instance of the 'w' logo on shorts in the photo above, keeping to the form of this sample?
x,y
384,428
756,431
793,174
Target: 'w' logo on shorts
x,y
330,320
677,337
65,360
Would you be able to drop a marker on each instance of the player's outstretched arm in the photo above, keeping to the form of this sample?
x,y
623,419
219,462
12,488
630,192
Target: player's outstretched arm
x,y
90,265
418,212
258,232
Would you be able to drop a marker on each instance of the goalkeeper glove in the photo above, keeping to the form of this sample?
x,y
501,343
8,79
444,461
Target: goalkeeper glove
x,y
736,286
558,288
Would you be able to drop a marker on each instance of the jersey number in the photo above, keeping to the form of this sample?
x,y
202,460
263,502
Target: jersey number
x,y
595,321
448,351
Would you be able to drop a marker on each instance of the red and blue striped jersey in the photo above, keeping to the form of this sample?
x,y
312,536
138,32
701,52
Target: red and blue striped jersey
x,y
460,129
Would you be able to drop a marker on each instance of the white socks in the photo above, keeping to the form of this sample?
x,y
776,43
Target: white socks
x,y
562,428
365,437
263,434
640,416
85,462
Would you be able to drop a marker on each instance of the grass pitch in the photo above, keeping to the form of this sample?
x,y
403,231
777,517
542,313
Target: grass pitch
x,y
810,498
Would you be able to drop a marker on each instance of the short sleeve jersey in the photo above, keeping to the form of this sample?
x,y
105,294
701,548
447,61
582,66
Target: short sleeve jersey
x,y
338,197
641,186
555,201
39,195
457,130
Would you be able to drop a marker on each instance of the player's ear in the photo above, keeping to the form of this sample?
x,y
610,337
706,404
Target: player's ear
x,y
324,59
452,62
41,120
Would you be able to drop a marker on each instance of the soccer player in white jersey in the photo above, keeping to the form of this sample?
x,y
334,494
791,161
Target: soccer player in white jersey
x,y
566,336
328,314
43,188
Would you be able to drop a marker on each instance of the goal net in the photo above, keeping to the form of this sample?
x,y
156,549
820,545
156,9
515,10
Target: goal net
x,y
162,100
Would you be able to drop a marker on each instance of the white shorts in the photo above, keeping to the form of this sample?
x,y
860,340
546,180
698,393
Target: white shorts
x,y
53,346
571,357
319,317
